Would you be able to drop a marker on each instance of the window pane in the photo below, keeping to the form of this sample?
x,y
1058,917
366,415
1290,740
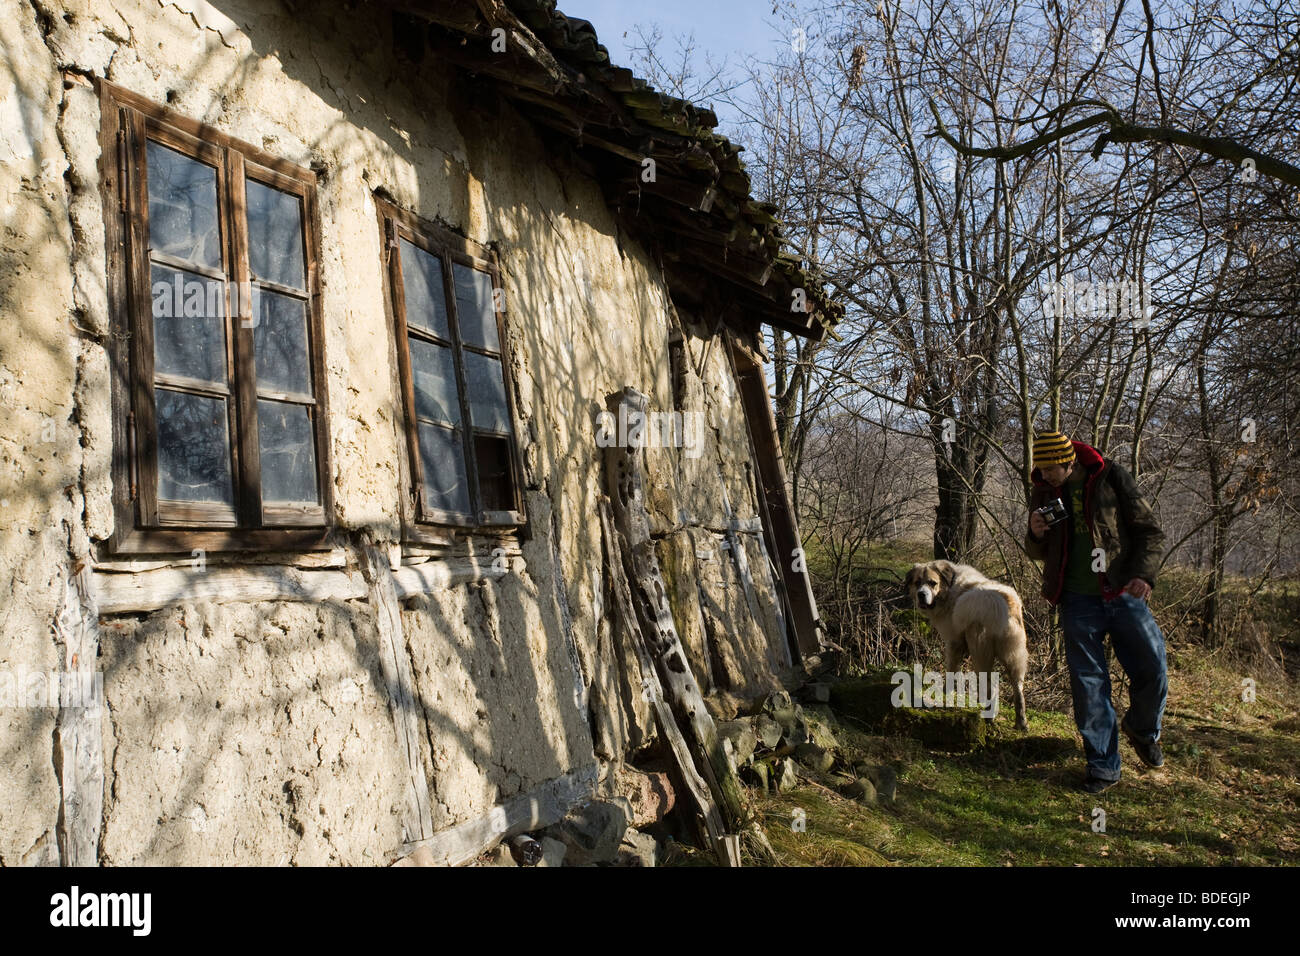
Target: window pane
x,y
495,480
193,448
288,452
280,343
474,307
434,375
183,206
274,234
487,393
189,326
426,300
443,460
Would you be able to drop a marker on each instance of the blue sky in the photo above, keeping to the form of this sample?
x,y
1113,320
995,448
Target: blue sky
x,y
724,28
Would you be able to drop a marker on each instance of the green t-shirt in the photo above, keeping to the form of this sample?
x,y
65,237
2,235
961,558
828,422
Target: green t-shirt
x,y
1080,578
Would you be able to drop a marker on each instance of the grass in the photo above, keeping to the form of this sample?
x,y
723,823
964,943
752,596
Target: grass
x,y
1228,793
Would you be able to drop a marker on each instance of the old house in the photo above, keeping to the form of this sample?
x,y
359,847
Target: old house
x,y
327,330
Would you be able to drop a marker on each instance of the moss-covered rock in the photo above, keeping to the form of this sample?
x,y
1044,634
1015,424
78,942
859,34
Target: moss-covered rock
x,y
861,789
768,731
757,774
786,778
782,709
959,730
820,734
741,734
814,757
886,783
870,701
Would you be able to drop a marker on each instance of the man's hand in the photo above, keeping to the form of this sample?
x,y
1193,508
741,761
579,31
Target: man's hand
x,y
1037,524
1138,588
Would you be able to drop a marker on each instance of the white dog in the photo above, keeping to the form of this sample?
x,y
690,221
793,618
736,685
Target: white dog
x,y
973,614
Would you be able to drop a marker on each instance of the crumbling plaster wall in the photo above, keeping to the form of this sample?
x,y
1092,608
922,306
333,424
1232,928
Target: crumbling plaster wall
x,y
260,732
40,454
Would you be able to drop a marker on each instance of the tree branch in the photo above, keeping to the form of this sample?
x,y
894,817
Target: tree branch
x,y
1119,131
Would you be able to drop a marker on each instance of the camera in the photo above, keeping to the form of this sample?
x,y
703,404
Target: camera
x,y
1053,512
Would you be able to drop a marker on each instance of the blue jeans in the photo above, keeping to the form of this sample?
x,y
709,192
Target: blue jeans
x,y
1140,649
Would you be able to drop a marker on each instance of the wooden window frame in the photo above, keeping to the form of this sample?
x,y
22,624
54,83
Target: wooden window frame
x,y
428,525
143,524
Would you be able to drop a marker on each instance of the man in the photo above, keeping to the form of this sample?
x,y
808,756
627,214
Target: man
x,y
1099,565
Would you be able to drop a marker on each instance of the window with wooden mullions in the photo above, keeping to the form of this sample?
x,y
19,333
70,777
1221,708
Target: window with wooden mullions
x,y
224,402
449,316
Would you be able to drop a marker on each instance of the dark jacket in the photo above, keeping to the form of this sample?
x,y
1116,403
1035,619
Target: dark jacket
x,y
1121,521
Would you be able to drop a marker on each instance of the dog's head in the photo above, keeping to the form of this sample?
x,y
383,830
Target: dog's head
x,y
928,583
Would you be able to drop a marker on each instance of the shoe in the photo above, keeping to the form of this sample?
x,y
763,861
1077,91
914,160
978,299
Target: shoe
x,y
1149,753
1093,784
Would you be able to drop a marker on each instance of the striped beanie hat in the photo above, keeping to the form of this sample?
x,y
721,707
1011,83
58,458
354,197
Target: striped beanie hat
x,y
1052,448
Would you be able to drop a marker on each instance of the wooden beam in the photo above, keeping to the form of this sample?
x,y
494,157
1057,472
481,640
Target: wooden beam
x,y
538,102
311,560
741,559
698,283
522,46
571,128
625,475
630,626
415,579
538,808
678,155
783,524
461,17
407,711
126,593
522,75
148,590
679,217
755,269
79,729
735,264
696,196
566,619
